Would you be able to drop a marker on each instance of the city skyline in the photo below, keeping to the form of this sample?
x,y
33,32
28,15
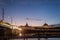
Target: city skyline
x,y
19,9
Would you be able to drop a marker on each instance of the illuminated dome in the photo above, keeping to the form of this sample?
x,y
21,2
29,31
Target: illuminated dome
x,y
45,24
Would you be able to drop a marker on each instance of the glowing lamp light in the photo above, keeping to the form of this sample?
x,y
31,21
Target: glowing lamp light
x,y
20,34
20,28
17,28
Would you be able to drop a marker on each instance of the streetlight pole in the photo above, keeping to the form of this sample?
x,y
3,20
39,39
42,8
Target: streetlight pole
x,y
12,25
2,15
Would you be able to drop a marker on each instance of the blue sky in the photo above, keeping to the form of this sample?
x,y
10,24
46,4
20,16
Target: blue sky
x,y
48,10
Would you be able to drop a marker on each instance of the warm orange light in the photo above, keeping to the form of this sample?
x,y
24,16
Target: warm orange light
x,y
17,28
20,29
20,34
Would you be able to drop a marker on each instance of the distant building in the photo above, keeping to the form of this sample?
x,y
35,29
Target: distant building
x,y
45,25
26,25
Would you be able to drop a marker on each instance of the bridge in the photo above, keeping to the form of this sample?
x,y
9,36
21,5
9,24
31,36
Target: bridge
x,y
42,33
26,31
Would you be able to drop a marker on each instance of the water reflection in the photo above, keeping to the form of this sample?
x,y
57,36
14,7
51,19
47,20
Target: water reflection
x,y
37,39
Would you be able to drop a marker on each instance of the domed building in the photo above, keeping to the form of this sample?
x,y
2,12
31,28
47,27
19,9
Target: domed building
x,y
45,25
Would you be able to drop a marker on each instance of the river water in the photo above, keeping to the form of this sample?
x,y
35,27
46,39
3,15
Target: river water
x,y
37,39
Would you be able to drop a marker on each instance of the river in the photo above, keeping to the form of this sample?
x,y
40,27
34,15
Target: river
x,y
37,39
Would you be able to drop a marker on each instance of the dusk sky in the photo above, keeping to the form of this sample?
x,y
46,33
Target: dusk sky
x,y
48,10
